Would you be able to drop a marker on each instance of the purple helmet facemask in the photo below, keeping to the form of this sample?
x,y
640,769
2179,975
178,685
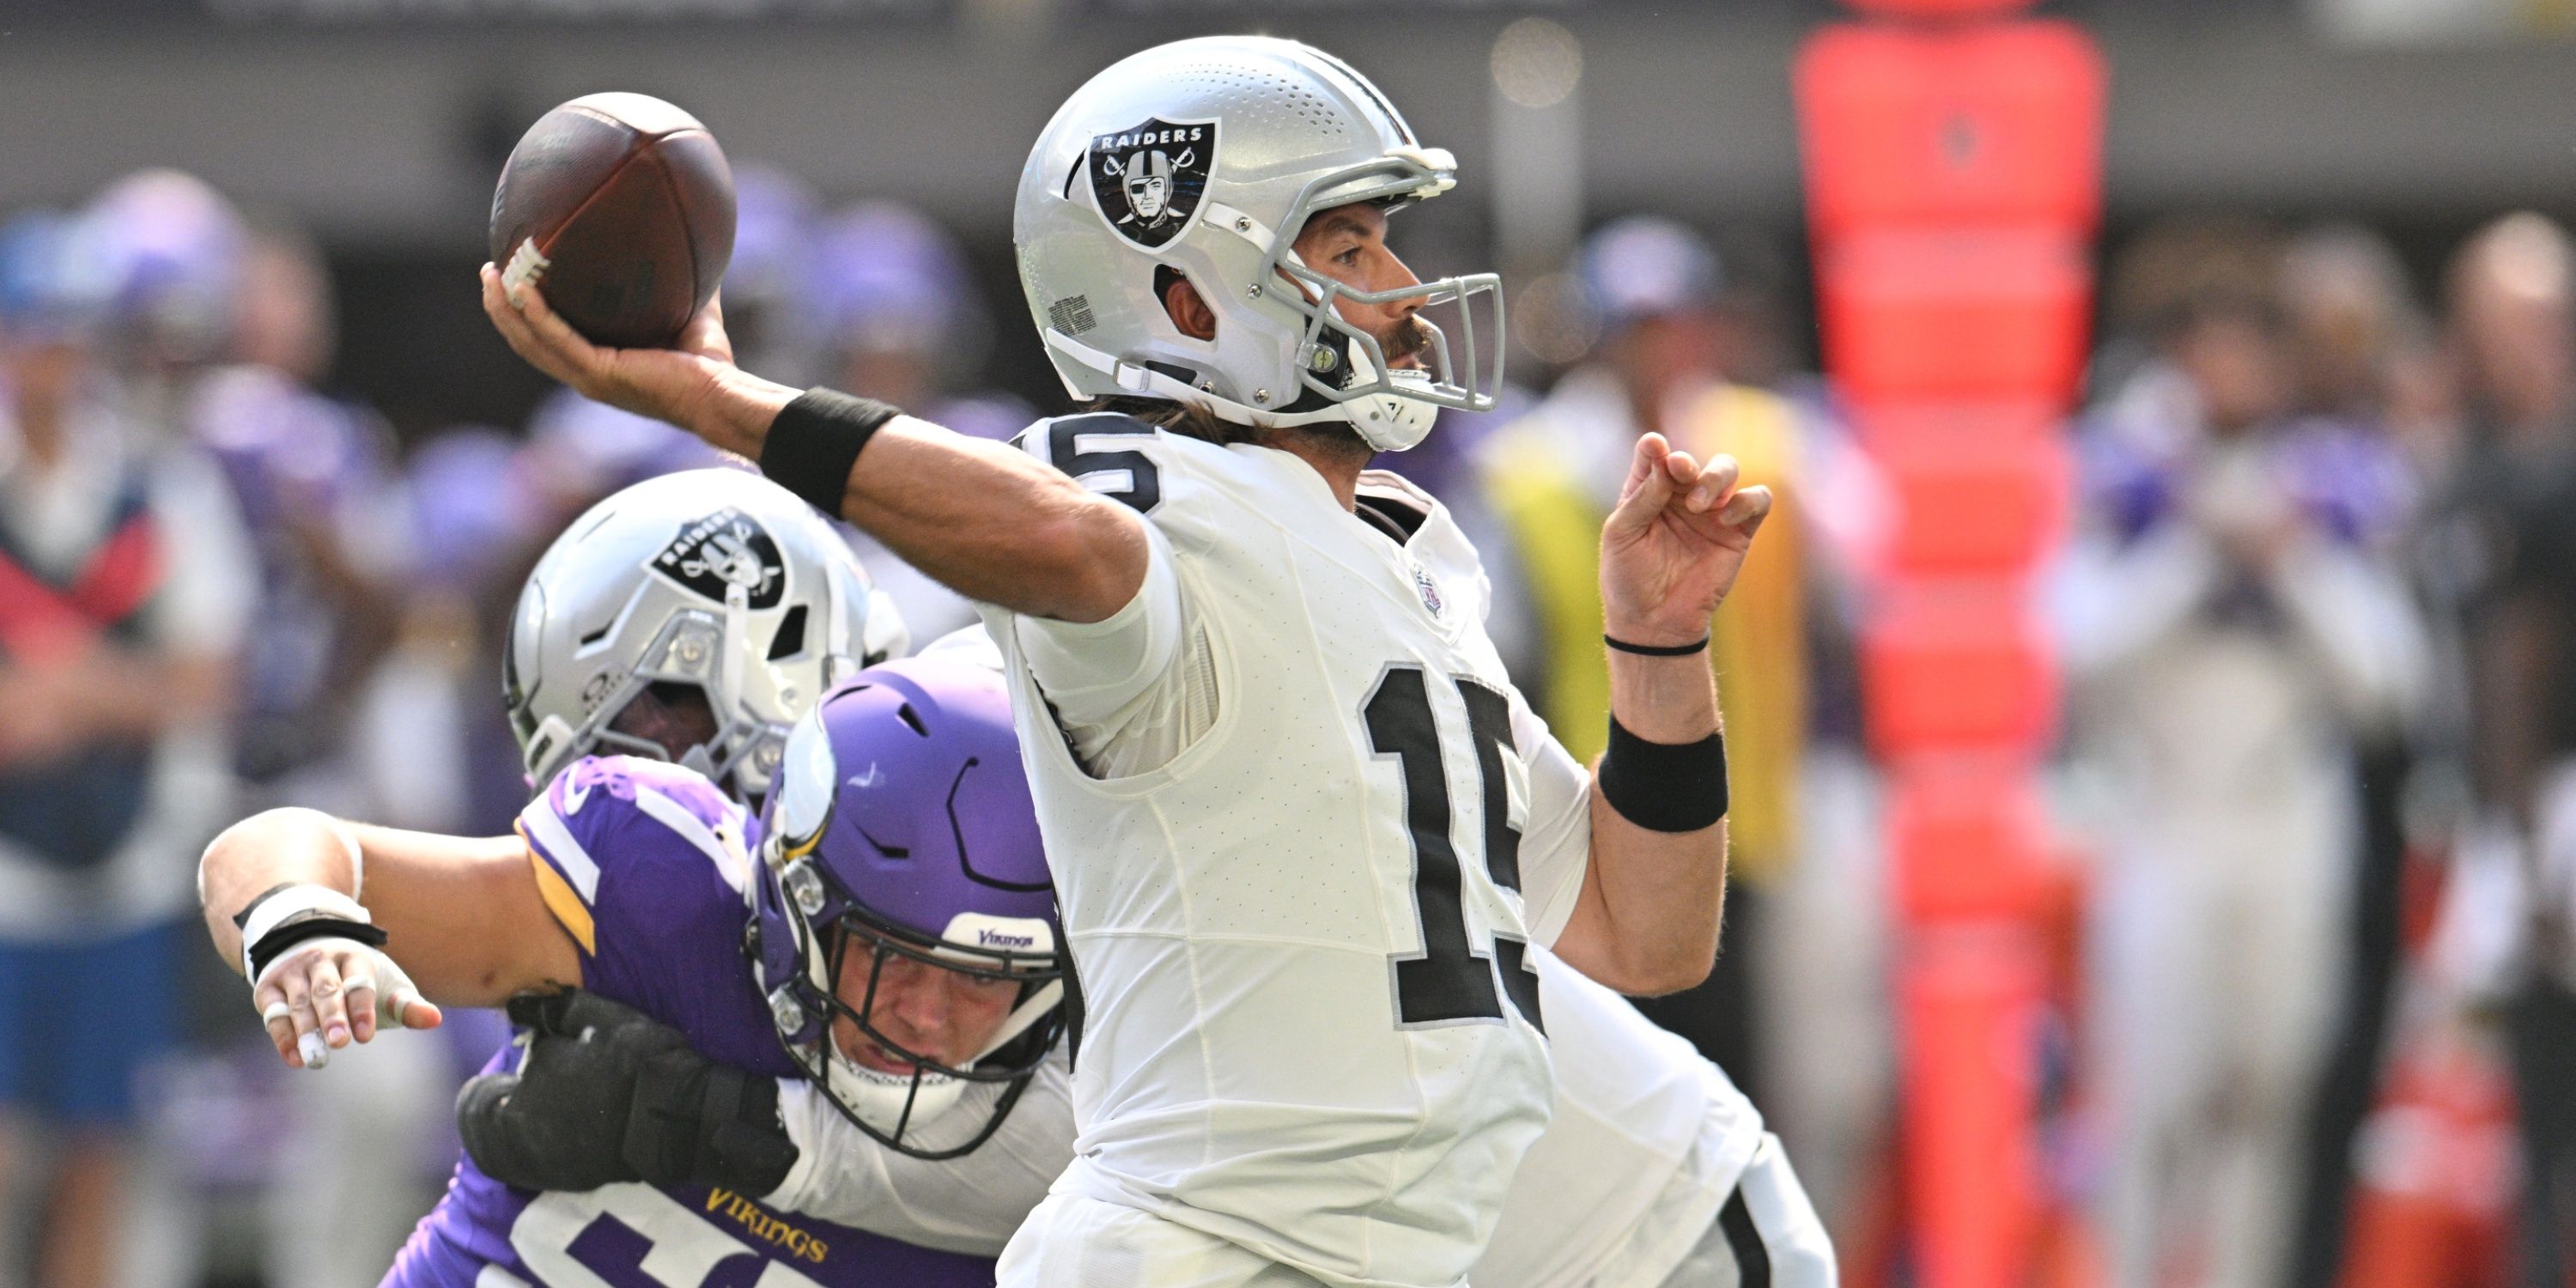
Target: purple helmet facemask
x,y
900,829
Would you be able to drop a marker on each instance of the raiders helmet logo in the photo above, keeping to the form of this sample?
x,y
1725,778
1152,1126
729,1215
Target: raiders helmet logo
x,y
727,548
1149,178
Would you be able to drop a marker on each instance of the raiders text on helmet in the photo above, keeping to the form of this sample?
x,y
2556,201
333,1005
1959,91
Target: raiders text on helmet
x,y
717,579
1205,158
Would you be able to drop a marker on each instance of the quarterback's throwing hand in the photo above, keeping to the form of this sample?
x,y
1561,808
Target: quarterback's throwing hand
x,y
1672,548
660,383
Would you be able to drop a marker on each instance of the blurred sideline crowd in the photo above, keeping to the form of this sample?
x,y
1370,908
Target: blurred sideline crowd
x,y
2317,1006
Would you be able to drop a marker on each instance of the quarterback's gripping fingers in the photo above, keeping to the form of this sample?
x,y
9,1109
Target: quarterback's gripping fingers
x,y
510,312
568,347
705,333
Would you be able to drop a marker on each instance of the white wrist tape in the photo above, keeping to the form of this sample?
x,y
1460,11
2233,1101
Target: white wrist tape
x,y
291,901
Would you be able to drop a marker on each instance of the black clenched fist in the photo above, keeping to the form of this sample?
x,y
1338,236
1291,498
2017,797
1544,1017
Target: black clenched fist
x,y
608,1094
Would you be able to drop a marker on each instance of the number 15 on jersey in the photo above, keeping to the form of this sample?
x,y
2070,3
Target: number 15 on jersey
x,y
1449,981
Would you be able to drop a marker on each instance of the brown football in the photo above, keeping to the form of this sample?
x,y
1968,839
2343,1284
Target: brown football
x,y
620,208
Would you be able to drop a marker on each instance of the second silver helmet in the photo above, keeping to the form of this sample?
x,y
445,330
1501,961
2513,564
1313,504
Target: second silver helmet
x,y
713,580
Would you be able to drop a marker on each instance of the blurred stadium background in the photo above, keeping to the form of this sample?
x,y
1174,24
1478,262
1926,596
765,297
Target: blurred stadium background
x,y
2279,990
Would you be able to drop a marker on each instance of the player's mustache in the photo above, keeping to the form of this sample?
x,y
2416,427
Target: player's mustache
x,y
1409,338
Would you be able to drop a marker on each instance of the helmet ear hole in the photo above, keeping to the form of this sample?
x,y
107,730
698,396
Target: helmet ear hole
x,y
790,639
1189,312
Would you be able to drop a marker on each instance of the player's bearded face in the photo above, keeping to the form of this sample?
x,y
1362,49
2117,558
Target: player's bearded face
x,y
1348,245
948,1016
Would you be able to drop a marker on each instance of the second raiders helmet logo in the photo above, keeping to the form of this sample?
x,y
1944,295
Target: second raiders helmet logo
x,y
1149,178
727,548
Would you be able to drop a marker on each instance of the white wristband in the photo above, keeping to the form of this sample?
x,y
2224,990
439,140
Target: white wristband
x,y
294,899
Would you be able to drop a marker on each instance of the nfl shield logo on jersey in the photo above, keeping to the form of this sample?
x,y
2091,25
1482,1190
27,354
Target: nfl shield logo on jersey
x,y
1430,589
1148,178
726,548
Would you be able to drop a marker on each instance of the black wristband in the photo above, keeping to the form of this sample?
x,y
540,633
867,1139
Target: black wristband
x,y
814,442
319,925
1663,786
1657,650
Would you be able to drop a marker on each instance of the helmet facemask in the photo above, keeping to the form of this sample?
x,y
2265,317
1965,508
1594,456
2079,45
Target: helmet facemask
x,y
695,648
812,1016
1346,368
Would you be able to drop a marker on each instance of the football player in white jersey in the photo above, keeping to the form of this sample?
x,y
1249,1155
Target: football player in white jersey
x,y
1303,829
1654,1171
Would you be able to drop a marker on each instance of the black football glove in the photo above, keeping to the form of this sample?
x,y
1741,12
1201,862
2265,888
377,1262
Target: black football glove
x,y
608,1094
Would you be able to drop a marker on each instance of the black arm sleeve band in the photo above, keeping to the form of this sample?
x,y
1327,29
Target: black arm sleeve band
x,y
276,942
1663,786
814,441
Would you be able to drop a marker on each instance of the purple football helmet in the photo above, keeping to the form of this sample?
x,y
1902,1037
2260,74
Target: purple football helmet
x,y
901,829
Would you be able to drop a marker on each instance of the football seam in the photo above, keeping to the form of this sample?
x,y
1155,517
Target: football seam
x,y
688,227
606,181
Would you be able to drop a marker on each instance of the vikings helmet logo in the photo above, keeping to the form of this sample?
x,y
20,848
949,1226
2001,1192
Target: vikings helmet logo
x,y
1148,179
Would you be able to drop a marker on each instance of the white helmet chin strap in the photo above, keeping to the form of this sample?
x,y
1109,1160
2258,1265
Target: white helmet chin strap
x,y
1387,422
883,1099
876,1094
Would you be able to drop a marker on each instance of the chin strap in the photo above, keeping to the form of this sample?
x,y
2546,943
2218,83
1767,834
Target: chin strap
x,y
1145,382
1027,1013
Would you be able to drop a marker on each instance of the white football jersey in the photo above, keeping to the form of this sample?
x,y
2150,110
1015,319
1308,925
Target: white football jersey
x,y
970,1203
1313,1027
1647,1142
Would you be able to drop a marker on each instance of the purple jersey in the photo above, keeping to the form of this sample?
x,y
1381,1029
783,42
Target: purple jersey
x,y
646,865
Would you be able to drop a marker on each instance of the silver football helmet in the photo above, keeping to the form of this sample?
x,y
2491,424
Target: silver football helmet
x,y
715,579
1204,158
